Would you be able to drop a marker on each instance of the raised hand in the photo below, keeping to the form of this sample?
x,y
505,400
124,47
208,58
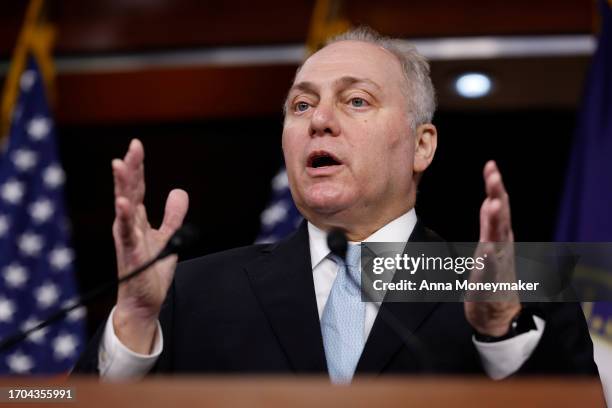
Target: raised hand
x,y
139,300
496,245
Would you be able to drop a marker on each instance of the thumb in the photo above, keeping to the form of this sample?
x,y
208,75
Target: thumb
x,y
177,204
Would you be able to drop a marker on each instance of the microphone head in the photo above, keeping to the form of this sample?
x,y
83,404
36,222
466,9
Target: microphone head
x,y
337,242
182,239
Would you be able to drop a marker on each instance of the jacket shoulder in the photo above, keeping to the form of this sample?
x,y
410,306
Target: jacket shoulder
x,y
235,256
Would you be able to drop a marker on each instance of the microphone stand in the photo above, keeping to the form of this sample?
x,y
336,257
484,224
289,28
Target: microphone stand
x,y
181,239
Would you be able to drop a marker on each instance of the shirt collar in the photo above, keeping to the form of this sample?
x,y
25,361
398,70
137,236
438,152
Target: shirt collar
x,y
398,230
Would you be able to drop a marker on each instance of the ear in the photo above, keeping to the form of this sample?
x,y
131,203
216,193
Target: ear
x,y
426,142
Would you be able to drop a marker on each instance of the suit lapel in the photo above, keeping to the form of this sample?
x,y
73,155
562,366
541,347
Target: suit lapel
x,y
383,343
282,281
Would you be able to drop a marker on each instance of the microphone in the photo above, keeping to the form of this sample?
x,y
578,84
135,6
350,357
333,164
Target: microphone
x,y
338,244
182,239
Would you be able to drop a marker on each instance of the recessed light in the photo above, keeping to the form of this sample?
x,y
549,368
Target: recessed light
x,y
473,85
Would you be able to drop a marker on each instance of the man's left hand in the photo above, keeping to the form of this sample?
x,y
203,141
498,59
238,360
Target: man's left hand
x,y
496,245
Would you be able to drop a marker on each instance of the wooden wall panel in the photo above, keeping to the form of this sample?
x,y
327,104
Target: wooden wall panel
x,y
435,18
124,25
173,94
96,26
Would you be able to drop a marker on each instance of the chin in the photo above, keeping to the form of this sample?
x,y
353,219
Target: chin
x,y
325,202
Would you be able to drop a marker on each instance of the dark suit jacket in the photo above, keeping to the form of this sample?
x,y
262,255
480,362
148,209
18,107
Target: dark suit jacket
x,y
253,310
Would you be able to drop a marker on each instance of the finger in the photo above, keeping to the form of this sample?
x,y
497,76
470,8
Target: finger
x,y
134,160
498,221
120,179
174,214
124,216
496,218
141,218
135,154
495,224
489,167
494,185
498,208
486,220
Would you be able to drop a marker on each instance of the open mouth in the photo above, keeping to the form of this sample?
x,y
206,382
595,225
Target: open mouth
x,y
322,159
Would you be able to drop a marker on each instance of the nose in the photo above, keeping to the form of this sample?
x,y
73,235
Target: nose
x,y
324,122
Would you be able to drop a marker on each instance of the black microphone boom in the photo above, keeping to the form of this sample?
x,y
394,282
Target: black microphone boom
x,y
183,238
337,242
338,245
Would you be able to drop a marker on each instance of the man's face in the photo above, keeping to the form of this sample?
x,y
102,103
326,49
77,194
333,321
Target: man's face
x,y
347,141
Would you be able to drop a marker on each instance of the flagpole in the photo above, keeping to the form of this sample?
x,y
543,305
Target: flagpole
x,y
36,37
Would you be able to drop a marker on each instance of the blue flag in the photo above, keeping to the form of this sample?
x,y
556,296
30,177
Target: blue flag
x,y
586,209
36,260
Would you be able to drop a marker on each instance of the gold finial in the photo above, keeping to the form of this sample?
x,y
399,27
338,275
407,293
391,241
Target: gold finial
x,y
327,21
36,37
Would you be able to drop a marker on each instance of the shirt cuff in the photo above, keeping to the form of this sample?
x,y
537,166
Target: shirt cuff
x,y
116,362
501,359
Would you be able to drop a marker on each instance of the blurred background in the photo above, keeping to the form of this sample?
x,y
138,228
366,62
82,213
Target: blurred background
x,y
202,83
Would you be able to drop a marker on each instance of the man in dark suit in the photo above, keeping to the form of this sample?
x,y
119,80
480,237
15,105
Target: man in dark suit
x,y
357,137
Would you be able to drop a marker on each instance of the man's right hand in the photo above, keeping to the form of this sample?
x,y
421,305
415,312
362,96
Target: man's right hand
x,y
139,300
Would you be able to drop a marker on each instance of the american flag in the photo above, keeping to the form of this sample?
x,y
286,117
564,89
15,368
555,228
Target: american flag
x,y
36,260
281,217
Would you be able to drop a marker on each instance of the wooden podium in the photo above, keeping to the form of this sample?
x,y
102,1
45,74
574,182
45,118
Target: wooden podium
x,y
316,392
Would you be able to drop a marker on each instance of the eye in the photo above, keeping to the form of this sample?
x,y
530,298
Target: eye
x,y
301,106
358,102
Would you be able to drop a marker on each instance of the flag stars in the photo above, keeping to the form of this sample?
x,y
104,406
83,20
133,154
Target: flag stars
x,y
53,176
30,244
7,309
4,225
60,258
280,181
27,80
64,346
19,363
36,279
36,336
77,313
46,295
38,128
15,275
41,210
24,159
274,214
12,191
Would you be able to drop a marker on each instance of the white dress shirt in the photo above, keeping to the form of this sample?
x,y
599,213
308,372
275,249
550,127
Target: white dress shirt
x,y
499,359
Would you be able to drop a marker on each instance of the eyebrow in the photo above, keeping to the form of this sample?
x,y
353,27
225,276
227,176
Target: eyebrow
x,y
344,81
349,80
303,86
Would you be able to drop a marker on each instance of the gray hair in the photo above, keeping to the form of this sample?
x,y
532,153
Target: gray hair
x,y
419,91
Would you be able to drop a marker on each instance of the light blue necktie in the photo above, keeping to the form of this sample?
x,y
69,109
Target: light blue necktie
x,y
343,319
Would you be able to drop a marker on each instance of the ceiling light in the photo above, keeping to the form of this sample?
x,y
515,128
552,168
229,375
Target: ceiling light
x,y
473,85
